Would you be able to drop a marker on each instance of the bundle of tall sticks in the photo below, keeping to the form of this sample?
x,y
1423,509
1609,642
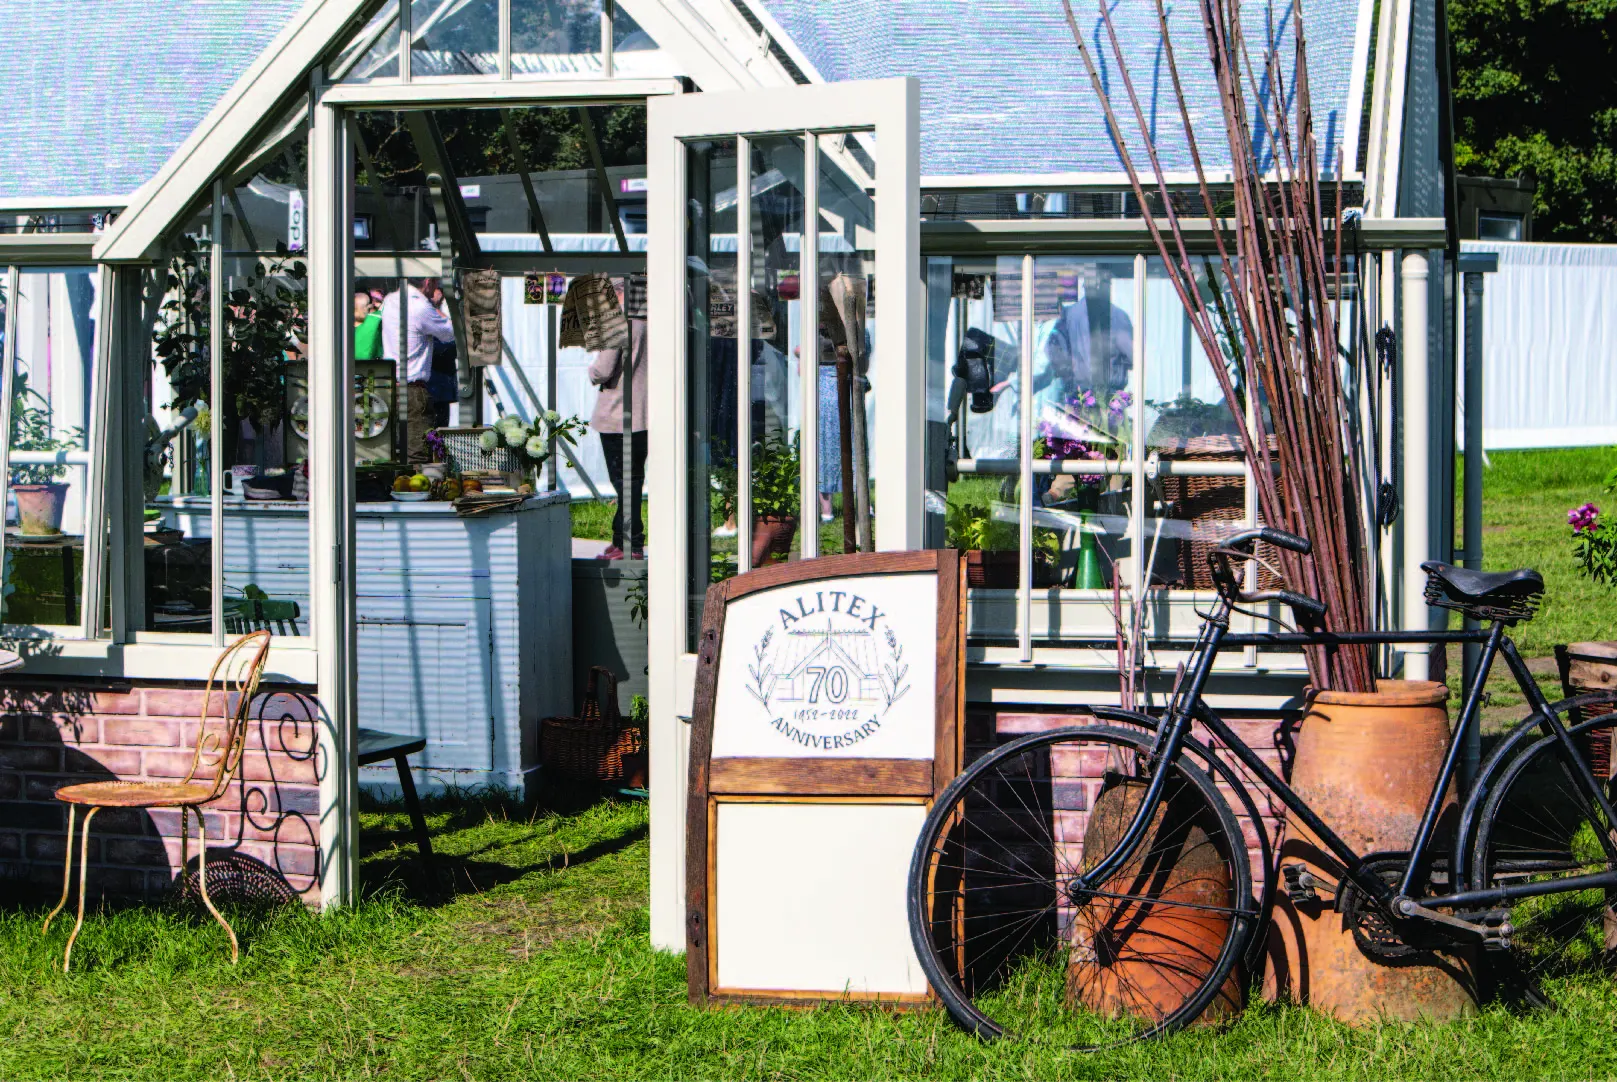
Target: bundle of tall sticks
x,y
1269,303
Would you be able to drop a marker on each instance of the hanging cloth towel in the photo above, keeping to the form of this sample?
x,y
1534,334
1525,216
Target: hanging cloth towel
x,y
480,294
591,317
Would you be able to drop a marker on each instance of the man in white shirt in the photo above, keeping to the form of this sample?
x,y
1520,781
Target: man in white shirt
x,y
426,325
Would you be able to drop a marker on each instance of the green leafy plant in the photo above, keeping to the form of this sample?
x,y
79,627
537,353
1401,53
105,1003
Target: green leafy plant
x,y
969,521
33,429
639,711
776,477
263,321
1594,541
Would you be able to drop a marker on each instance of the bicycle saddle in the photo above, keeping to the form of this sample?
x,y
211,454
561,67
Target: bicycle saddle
x,y
1487,595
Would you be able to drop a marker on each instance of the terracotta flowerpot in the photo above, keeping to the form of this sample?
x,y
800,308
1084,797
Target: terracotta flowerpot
x,y
772,539
993,569
1158,950
1365,763
39,508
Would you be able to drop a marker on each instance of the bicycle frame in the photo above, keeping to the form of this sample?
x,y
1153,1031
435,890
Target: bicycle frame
x,y
1187,706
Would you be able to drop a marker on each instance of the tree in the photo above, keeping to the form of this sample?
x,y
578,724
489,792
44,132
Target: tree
x,y
1536,88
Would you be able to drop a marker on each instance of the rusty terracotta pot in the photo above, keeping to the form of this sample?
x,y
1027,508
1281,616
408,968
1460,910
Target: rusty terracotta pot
x,y
1365,763
1155,953
772,539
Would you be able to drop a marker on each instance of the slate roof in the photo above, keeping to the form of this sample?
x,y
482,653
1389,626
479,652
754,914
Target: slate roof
x,y
1003,89
96,94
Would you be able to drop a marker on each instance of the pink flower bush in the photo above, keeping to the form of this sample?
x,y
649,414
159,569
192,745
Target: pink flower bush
x,y
1583,519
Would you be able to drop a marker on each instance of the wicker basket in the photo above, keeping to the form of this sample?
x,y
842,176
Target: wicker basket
x,y
591,746
464,450
1212,505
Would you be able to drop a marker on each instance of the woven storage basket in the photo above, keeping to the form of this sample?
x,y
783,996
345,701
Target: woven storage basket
x,y
463,449
1212,505
591,746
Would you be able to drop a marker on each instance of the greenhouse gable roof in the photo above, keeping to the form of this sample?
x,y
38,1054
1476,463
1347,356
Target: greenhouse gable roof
x,y
1004,92
99,93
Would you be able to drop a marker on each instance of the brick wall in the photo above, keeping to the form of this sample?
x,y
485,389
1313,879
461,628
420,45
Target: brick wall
x,y
263,833
1269,737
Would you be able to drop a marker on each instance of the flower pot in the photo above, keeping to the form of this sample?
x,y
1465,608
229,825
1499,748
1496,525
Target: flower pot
x,y
39,508
772,539
1155,945
994,569
1588,667
1365,763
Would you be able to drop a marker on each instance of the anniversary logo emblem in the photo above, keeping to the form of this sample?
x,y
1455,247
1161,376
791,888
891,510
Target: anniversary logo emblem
x,y
828,669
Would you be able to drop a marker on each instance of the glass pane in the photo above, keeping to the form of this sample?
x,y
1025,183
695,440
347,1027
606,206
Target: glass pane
x,y
775,410
710,356
635,53
454,38
269,213
50,437
1187,424
374,51
555,37
265,494
847,408
178,565
1084,395
982,342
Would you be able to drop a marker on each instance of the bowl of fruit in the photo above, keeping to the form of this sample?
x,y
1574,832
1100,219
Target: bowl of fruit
x,y
411,488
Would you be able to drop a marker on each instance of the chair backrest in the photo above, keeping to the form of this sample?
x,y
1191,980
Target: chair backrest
x,y
234,682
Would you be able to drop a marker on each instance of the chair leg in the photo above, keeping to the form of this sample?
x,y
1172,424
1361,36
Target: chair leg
x,y
423,842
202,878
185,847
67,871
84,868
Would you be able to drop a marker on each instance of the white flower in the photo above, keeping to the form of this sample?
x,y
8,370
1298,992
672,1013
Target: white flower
x,y
507,422
489,440
516,436
537,448
552,418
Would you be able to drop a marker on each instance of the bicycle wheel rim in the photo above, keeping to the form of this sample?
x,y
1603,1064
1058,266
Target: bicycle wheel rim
x,y
1009,947
1532,829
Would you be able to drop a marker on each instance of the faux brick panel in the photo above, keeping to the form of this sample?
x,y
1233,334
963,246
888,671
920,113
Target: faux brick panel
x,y
53,847
184,703
30,758
166,821
168,765
151,732
132,821
134,851
10,845
116,702
256,766
10,787
101,761
289,860
25,815
62,729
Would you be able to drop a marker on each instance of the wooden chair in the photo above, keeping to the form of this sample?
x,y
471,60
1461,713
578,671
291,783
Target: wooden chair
x,y
214,762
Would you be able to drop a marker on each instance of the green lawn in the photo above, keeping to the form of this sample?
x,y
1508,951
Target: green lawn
x,y
1526,495
537,964
539,967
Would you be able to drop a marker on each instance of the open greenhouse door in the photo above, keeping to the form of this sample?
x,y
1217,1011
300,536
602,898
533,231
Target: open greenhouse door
x,y
787,420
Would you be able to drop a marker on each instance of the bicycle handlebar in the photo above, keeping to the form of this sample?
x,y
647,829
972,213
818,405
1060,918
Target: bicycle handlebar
x,y
1278,538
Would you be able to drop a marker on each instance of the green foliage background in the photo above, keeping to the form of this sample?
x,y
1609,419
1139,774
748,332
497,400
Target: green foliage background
x,y
1535,87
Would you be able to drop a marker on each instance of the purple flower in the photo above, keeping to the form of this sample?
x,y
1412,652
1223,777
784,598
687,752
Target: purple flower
x,y
1121,401
1584,518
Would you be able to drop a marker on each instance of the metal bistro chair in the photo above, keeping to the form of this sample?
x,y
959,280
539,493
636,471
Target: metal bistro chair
x,y
214,762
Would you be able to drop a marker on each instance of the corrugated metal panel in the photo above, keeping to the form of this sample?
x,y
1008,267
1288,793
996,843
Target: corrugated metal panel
x,y
1003,89
99,93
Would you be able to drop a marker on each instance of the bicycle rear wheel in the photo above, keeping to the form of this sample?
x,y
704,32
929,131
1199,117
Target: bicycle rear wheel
x,y
1011,946
1535,828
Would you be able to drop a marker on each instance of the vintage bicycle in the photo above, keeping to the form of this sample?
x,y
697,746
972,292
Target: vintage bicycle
x,y
1092,884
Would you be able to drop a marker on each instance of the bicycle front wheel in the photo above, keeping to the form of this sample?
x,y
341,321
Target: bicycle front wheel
x,y
1537,826
1013,944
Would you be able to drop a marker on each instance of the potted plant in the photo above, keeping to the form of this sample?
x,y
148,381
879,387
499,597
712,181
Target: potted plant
x,y
1592,666
776,470
531,439
38,487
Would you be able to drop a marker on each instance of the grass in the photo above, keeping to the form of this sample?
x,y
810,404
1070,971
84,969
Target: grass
x,y
1526,495
536,962
538,966
592,519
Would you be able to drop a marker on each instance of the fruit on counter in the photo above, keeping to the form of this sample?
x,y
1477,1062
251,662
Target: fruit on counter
x,y
524,490
420,483
471,484
452,489
401,483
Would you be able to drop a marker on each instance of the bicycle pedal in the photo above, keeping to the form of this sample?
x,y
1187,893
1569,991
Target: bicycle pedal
x,y
1303,885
